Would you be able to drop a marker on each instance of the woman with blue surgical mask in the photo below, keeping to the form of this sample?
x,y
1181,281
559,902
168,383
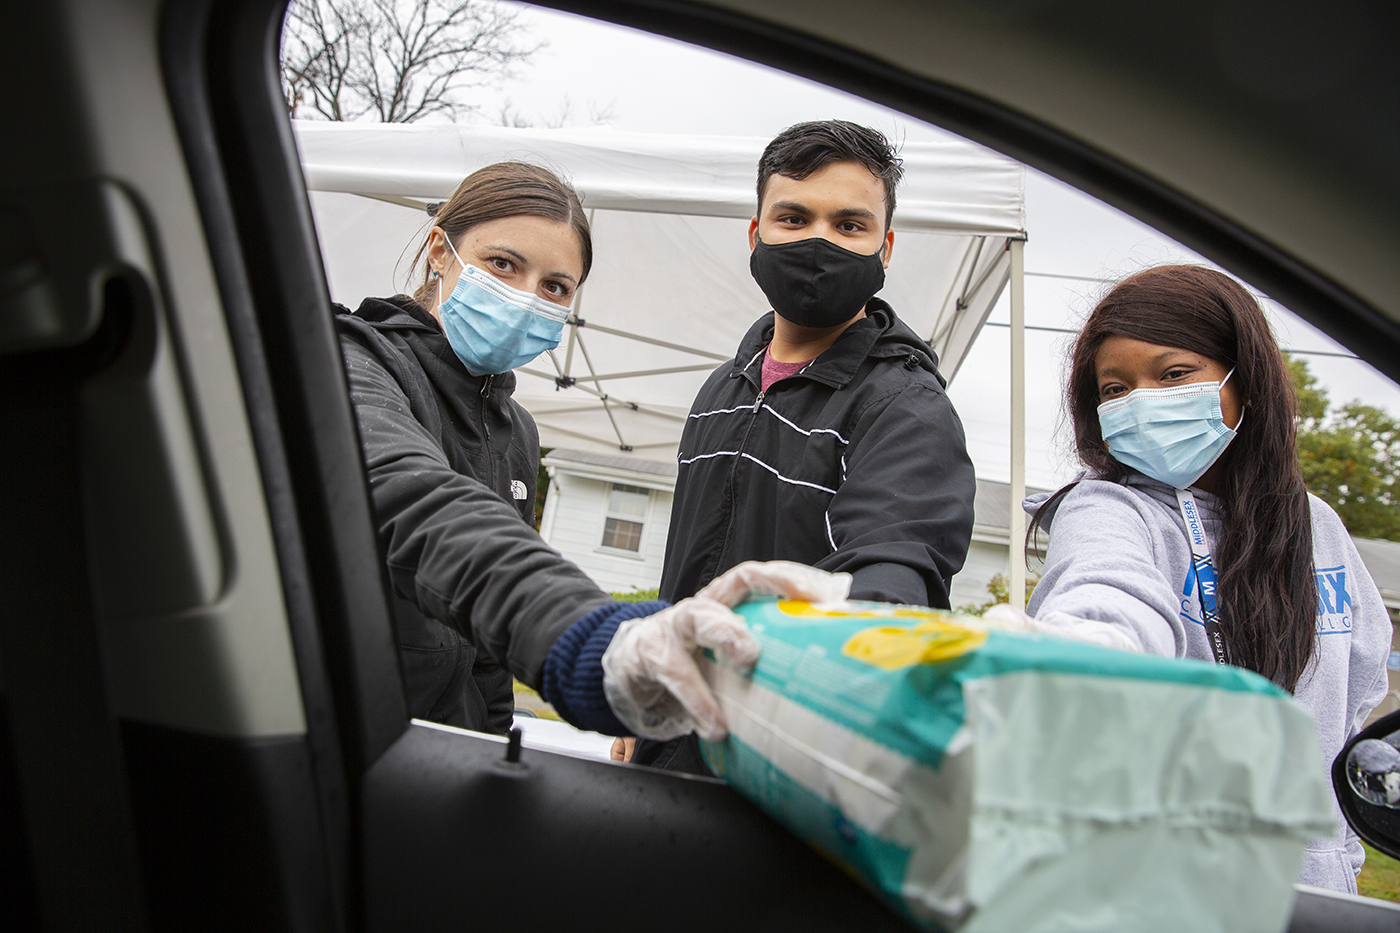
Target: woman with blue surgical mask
x,y
451,461
507,303
1189,532
431,378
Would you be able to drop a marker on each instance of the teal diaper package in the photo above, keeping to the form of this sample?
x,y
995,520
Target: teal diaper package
x,y
983,779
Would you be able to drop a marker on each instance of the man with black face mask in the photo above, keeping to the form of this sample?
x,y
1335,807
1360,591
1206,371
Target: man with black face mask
x,y
829,438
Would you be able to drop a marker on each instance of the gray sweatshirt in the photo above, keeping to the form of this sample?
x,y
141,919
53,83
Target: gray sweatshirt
x,y
1119,554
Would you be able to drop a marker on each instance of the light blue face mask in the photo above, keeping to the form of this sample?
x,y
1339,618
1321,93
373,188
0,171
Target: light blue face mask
x,y
1173,435
494,328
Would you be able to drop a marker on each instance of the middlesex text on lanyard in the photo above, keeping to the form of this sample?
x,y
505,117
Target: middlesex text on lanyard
x,y
1205,572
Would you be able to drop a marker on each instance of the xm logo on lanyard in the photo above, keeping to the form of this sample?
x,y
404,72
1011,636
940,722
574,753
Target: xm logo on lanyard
x,y
1203,567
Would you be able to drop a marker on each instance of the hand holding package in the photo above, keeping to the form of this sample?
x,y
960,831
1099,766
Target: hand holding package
x,y
650,676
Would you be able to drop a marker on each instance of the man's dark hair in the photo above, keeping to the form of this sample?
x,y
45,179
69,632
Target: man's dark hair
x,y
801,150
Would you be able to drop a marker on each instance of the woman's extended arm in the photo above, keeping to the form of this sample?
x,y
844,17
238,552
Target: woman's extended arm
x,y
464,557
1101,566
454,548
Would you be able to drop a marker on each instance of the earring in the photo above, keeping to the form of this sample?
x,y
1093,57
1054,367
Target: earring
x,y
435,273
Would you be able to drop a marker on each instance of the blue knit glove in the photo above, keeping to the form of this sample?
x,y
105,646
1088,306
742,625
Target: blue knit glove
x,y
631,669
573,672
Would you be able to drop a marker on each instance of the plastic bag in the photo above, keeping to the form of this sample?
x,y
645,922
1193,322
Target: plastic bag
x,y
985,779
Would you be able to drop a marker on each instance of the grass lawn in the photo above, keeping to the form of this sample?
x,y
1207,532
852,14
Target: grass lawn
x,y
525,698
1380,876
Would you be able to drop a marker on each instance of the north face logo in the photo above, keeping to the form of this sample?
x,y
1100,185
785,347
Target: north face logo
x,y
518,490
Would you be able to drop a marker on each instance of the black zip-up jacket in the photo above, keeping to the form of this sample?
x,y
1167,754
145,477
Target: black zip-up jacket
x,y
856,463
452,461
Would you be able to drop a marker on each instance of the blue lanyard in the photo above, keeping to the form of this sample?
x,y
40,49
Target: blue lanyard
x,y
1205,573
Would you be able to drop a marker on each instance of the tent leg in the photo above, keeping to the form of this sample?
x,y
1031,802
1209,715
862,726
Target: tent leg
x,y
1018,422
602,396
575,315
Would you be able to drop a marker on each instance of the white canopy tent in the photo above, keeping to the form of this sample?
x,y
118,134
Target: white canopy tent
x,y
670,295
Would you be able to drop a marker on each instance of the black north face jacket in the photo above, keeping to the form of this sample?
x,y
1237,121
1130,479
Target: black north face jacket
x,y
857,463
452,461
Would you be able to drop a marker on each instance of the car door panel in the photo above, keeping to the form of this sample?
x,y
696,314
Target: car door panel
x,y
143,598
456,836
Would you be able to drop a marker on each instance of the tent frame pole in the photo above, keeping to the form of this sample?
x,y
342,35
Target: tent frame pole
x,y
600,396
1017,525
573,320
698,367
947,321
720,357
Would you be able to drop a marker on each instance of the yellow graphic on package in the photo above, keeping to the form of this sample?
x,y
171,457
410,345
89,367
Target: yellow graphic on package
x,y
891,647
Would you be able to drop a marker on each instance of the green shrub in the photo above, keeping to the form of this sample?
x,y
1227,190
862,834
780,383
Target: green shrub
x,y
999,587
639,596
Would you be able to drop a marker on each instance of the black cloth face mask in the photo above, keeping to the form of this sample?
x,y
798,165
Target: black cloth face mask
x,y
814,282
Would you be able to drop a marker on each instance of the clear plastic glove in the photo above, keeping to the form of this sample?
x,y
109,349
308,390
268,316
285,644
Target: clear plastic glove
x,y
777,578
650,675
1090,631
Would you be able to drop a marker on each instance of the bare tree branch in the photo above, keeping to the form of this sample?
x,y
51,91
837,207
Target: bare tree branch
x,y
599,114
508,114
398,60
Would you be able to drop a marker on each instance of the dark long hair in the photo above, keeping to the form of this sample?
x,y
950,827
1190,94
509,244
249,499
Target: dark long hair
x,y
1266,592
507,189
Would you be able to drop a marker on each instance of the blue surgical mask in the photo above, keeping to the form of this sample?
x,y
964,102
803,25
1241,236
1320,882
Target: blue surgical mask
x,y
1173,435
494,328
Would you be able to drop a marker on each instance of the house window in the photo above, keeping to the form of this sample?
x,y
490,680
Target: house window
x,y
627,506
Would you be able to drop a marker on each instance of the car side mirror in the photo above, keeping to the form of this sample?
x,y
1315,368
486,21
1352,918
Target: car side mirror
x,y
1366,777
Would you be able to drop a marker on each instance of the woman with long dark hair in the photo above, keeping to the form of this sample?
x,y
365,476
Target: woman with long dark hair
x,y
1189,533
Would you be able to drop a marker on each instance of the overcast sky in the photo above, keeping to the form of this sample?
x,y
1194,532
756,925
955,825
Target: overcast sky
x,y
662,86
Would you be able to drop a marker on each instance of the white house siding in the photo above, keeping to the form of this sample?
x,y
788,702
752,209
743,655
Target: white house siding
x,y
573,525
985,559
574,516
575,511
